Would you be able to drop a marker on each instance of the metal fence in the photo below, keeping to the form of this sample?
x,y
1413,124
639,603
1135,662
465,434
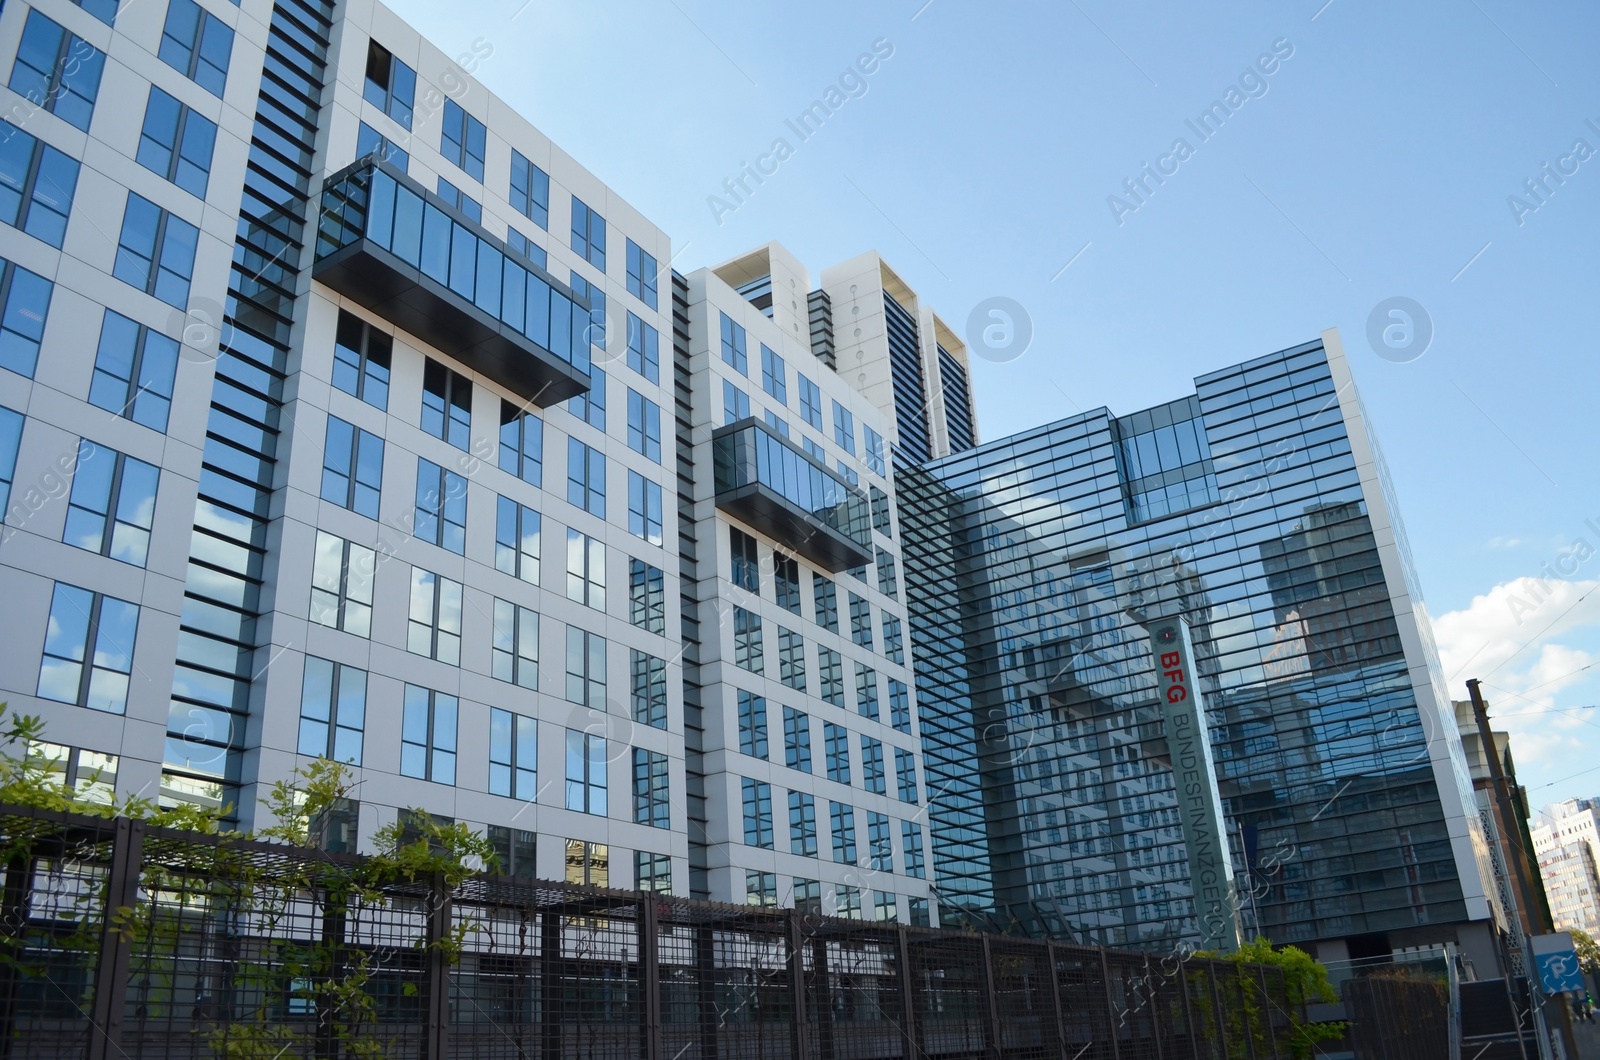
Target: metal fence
x,y
122,940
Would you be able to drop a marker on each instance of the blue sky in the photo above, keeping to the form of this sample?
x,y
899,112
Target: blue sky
x,y
1378,160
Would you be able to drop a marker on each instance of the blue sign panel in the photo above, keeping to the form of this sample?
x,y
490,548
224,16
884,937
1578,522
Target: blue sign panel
x,y
1558,971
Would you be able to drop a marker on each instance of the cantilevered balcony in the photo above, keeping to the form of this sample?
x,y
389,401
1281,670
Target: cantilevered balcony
x,y
778,488
403,253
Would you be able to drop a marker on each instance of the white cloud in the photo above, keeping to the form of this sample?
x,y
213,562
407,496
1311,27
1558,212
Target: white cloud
x,y
1510,623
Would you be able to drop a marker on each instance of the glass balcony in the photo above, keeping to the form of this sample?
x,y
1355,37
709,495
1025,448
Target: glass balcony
x,y
771,484
401,252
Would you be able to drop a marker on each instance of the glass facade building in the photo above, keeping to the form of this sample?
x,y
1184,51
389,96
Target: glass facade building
x,y
1257,508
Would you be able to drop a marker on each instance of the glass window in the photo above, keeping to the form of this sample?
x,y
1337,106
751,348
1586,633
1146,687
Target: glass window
x,y
791,659
746,566
757,813
644,426
893,649
441,510
37,184
649,689
735,403
899,705
885,906
760,888
860,622
197,44
590,406
586,668
428,735
521,443
644,509
872,774
779,425
911,835
842,821
370,141
595,329
513,755
747,646
470,208
10,439
644,349
88,649
752,724
25,298
826,596
652,802
517,529
830,666
515,650
774,376
814,448
155,252
802,824
647,597
586,772
134,367
521,244
352,467
586,478
433,628
905,768
786,582
333,711
586,569
874,443
797,739
641,275
341,585
866,692
530,190
880,843
88,776
588,864
391,85
176,143
447,404
104,10
848,902
888,581
836,739
652,872
588,234
58,71
733,345
810,402
112,505
808,896
515,851
880,511
844,429
462,140
362,356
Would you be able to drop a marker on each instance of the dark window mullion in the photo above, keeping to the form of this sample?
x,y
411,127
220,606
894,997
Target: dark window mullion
x,y
112,502
91,640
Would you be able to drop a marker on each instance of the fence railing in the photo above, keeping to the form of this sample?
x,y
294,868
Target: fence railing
x,y
122,940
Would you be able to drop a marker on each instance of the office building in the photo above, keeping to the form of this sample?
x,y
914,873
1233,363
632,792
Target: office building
x,y
1567,845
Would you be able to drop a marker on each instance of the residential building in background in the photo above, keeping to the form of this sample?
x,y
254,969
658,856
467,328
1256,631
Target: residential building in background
x,y
1567,845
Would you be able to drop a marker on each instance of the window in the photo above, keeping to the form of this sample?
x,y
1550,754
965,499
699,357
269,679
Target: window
x,y
586,668
530,190
516,540
826,597
920,916
797,739
746,569
133,369
880,511
441,512
649,676
652,872
341,585
735,403
641,275
911,836
644,426
86,775
867,692
899,706
905,768
586,478
588,864
595,330
888,581
786,582
644,509
644,349
860,622
844,429
760,888
530,250
433,628
647,597
586,772
428,735
333,711
370,141
733,345
112,504
810,402
590,406
774,376
842,820
880,843
885,906
155,252
513,755
652,804
586,569
391,85
779,425
848,901
892,647
197,44
831,666
588,234
10,438
848,473
874,446
747,640
802,824
362,356
104,10
446,404
352,468
514,652
58,71
791,659
469,207
37,183
88,649
872,777
836,739
814,448
462,140
515,851
757,813
808,896
521,444
752,724
176,143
